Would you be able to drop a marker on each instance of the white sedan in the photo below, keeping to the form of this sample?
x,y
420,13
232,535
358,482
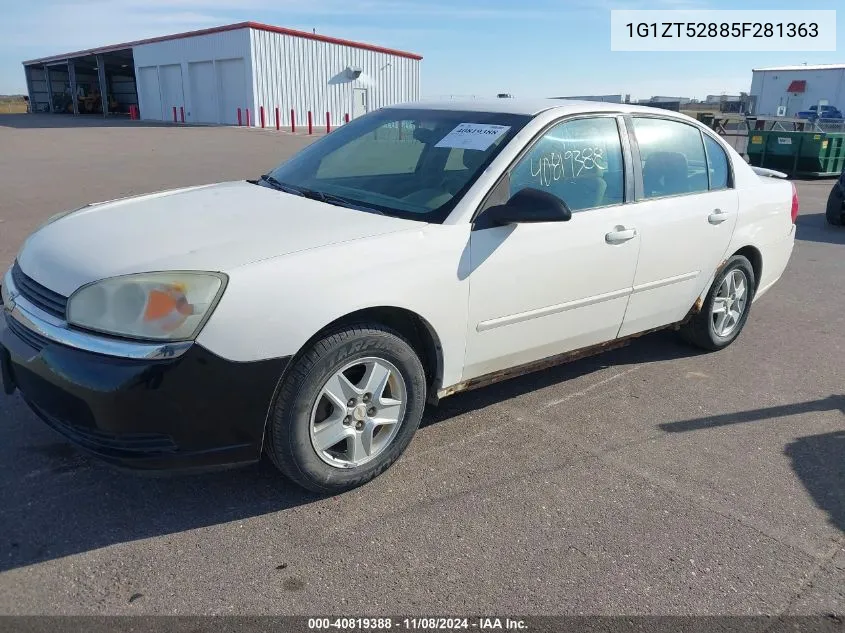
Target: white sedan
x,y
418,251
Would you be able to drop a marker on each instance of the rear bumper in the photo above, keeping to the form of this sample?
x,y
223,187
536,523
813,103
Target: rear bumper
x,y
194,411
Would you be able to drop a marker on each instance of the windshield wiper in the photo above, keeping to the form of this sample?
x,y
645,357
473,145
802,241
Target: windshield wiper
x,y
335,200
276,184
317,195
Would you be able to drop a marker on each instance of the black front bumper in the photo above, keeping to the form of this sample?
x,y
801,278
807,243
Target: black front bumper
x,y
194,411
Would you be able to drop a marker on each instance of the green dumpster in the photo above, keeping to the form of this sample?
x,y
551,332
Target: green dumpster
x,y
798,153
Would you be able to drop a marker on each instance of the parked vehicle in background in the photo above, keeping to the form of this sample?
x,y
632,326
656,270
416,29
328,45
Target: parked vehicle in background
x,y
836,202
823,112
416,252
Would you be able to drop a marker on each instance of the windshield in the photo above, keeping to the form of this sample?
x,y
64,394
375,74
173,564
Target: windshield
x,y
414,164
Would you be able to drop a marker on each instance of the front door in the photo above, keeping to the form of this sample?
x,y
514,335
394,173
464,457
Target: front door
x,y
686,220
360,102
537,290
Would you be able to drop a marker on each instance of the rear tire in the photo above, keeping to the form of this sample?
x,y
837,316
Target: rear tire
x,y
835,207
348,386
726,308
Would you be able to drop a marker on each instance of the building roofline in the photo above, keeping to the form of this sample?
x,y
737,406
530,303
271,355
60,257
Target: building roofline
x,y
220,29
801,67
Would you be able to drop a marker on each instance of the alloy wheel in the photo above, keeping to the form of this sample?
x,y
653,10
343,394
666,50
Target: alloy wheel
x,y
358,412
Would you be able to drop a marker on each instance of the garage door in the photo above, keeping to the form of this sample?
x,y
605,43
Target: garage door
x,y
232,81
203,92
149,93
171,89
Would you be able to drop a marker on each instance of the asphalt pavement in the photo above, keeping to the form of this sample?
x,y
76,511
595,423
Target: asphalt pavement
x,y
654,479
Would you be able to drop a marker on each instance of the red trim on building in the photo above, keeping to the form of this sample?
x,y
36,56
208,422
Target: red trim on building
x,y
798,85
220,29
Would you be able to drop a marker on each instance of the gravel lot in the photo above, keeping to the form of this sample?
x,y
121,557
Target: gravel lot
x,y
649,480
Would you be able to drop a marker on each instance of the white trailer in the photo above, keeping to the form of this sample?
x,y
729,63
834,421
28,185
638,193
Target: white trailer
x,y
796,88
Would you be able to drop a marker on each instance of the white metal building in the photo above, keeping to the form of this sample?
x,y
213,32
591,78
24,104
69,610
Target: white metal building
x,y
796,88
212,75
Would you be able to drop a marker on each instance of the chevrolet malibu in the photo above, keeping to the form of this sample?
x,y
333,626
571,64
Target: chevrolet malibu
x,y
418,251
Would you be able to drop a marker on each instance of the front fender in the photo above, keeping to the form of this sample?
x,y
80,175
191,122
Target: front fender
x,y
272,307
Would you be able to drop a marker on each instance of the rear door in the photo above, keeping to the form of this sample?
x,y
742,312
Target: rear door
x,y
686,214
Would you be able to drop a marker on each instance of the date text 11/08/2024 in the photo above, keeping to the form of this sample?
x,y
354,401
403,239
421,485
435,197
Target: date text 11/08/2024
x,y
416,624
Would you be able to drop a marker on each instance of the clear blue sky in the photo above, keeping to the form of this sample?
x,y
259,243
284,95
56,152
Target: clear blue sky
x,y
470,47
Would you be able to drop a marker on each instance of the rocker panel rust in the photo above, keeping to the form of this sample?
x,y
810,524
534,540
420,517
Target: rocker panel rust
x,y
559,359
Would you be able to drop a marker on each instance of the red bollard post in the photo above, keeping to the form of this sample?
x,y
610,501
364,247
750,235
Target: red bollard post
x,y
310,123
346,118
328,123
182,113
278,120
247,118
261,110
174,114
293,121
240,120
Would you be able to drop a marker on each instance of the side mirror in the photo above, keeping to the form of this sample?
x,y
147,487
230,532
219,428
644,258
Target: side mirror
x,y
526,205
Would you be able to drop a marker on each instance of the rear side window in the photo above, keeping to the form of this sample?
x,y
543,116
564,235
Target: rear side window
x,y
717,164
579,161
673,158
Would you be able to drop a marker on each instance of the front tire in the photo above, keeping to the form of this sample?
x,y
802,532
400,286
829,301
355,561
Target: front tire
x,y
726,308
347,409
835,207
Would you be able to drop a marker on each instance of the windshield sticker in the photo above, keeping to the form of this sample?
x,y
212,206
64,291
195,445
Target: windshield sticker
x,y
477,136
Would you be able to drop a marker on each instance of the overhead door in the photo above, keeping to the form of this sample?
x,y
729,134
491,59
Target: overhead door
x,y
231,81
171,88
203,92
149,93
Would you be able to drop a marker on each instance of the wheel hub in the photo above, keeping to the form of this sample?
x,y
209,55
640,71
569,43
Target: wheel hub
x,y
730,303
358,412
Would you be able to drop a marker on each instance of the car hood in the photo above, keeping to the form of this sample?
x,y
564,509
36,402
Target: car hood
x,y
214,227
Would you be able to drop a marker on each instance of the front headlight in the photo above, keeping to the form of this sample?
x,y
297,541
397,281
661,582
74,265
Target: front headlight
x,y
168,306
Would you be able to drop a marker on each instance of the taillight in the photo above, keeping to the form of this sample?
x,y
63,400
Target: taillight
x,y
794,203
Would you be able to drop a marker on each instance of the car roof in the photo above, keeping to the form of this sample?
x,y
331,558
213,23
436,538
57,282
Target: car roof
x,y
531,107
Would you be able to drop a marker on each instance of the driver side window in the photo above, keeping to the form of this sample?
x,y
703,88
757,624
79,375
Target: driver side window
x,y
579,161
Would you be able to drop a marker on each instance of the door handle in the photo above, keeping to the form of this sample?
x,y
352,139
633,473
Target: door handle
x,y
620,234
717,217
